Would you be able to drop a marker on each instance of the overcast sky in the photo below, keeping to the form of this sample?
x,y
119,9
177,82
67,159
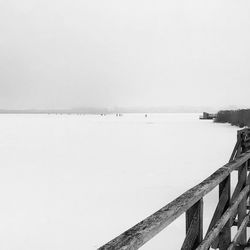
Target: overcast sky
x,y
78,53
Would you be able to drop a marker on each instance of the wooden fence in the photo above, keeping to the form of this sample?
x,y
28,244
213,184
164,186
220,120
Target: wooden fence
x,y
232,210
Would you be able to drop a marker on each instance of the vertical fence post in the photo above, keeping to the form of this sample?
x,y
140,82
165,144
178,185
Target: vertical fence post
x,y
242,208
225,234
194,226
248,181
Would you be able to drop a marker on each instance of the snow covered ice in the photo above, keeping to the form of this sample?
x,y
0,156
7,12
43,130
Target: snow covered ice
x,y
77,181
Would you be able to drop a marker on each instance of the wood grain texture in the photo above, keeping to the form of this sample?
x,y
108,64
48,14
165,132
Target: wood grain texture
x,y
194,226
225,234
223,200
242,209
236,192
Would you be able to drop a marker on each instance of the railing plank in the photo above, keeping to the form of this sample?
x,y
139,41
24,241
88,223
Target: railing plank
x,y
142,232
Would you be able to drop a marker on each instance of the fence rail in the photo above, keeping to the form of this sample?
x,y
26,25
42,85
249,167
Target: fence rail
x,y
191,202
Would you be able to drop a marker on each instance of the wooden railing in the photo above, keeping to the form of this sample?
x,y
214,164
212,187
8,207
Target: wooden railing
x,y
232,210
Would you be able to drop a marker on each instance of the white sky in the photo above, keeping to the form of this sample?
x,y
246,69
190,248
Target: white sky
x,y
72,53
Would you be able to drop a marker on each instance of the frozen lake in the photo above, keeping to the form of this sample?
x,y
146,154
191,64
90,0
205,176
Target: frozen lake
x,y
76,182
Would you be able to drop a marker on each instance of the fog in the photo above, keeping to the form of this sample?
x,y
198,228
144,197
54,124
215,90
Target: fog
x,y
64,54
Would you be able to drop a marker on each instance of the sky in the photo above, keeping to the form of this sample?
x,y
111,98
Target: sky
x,y
133,53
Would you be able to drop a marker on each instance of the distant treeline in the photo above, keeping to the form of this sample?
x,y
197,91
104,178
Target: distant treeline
x,y
239,117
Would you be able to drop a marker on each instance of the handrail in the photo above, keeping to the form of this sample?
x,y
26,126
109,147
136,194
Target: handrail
x,y
142,232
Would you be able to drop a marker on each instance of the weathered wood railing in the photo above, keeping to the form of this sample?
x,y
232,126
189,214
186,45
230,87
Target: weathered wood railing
x,y
232,210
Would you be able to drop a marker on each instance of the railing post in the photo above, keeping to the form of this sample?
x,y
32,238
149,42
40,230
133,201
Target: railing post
x,y
242,178
248,181
242,209
194,226
225,234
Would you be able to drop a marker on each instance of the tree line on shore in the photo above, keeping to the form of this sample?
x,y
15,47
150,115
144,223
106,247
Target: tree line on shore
x,y
239,117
